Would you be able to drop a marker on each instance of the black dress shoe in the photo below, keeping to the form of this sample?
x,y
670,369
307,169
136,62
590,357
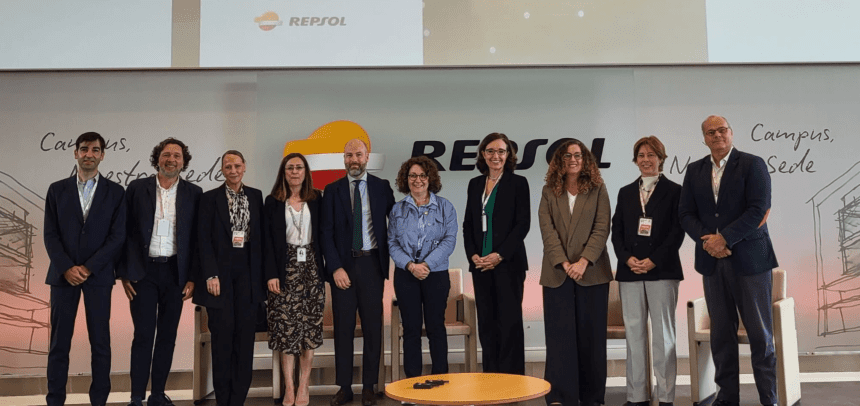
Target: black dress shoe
x,y
159,399
341,398
136,402
667,404
368,397
723,402
643,403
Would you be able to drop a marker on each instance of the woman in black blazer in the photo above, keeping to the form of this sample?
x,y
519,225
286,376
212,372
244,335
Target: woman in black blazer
x,y
495,223
294,273
647,235
230,240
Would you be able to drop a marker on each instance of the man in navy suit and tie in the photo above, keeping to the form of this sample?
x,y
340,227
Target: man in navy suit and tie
x,y
723,207
84,232
355,245
156,264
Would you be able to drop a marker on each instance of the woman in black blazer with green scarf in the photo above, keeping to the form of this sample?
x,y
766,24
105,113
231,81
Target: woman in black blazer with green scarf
x,y
495,225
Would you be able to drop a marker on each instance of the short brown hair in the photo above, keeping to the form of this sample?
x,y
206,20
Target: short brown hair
x,y
434,182
281,191
655,144
510,160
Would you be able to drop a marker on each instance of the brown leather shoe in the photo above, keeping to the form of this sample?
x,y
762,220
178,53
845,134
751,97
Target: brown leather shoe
x,y
341,398
368,398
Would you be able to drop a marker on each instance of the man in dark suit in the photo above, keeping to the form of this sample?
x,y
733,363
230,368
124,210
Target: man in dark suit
x,y
355,245
155,266
724,202
84,232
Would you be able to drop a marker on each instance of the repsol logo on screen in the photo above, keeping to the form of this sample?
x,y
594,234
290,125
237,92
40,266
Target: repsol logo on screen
x,y
463,151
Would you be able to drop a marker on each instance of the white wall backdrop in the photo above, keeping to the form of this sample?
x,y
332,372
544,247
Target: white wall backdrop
x,y
804,116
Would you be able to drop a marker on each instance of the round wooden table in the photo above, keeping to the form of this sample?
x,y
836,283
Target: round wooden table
x,y
469,389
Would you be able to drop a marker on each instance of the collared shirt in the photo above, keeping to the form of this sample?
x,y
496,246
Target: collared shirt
x,y
422,234
165,209
86,192
368,238
717,172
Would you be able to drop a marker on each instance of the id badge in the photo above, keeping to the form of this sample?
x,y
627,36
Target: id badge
x,y
645,226
238,239
301,254
484,222
163,229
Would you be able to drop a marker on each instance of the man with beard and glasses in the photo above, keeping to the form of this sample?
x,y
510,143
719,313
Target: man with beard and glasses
x,y
355,245
156,264
84,231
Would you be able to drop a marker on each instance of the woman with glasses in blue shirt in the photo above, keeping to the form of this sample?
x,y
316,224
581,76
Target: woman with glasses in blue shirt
x,y
422,232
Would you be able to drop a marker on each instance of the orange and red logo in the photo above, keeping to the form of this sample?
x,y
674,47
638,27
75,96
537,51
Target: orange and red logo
x,y
268,21
324,151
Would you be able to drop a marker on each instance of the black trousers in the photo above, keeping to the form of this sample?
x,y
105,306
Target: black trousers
x,y
64,309
575,325
499,302
155,312
727,294
364,295
423,302
233,330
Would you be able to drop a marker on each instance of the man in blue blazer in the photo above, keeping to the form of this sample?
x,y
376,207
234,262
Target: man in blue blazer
x,y
355,246
724,203
84,231
156,263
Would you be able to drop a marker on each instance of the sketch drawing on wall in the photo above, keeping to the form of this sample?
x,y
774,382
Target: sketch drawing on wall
x,y
837,255
24,317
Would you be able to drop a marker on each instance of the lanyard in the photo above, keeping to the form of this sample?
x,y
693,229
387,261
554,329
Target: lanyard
x,y
644,195
301,219
486,196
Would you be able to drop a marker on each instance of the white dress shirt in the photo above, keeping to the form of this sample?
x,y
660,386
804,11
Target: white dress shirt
x,y
717,172
165,209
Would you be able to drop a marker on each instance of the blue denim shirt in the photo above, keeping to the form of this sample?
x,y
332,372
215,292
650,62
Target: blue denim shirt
x,y
422,234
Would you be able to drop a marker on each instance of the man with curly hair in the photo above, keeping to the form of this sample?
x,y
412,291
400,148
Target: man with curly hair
x,y
156,264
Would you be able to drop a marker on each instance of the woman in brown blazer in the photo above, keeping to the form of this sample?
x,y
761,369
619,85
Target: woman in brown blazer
x,y
574,220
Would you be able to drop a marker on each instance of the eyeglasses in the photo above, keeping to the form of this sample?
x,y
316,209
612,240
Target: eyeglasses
x,y
499,152
720,130
291,168
568,157
413,176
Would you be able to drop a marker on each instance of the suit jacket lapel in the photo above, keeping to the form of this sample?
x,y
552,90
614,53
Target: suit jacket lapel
x,y
659,193
99,196
564,223
728,175
72,185
578,207
150,196
345,200
223,209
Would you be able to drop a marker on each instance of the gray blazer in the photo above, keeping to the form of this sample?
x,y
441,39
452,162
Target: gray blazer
x,y
568,237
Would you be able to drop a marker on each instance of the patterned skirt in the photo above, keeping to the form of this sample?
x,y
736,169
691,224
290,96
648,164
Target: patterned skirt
x,y
296,315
